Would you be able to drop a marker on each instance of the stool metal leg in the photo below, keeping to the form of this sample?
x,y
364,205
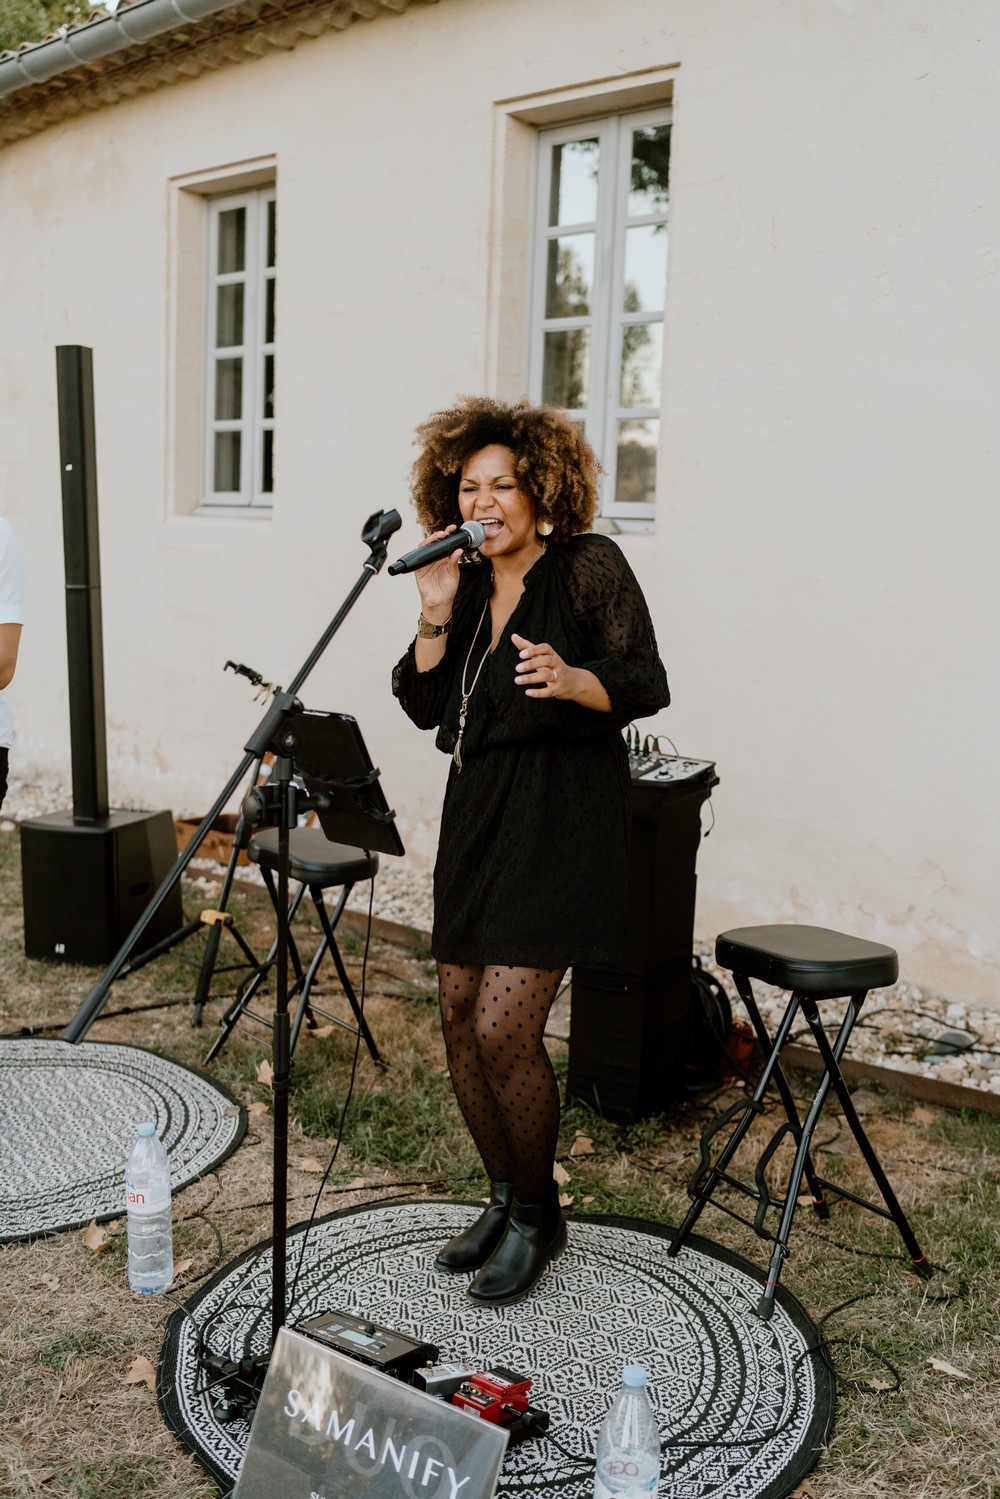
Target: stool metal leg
x,y
293,952
831,1060
331,941
745,991
765,1305
707,1177
304,1010
245,993
833,1077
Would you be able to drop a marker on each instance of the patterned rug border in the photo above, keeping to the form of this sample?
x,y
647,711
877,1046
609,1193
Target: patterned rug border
x,y
241,1123
813,1439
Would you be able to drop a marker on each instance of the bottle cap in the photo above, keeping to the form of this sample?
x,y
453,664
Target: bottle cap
x,y
634,1376
147,1128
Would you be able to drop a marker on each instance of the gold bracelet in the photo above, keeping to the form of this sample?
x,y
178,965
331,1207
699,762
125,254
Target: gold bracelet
x,y
428,631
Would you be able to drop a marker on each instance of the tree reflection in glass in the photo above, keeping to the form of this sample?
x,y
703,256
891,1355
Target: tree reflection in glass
x,y
650,170
635,473
565,368
573,193
570,276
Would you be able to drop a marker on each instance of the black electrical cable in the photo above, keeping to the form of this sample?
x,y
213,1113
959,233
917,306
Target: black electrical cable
x,y
193,1279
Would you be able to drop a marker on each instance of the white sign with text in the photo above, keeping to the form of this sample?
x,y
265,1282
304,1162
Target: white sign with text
x,y
327,1427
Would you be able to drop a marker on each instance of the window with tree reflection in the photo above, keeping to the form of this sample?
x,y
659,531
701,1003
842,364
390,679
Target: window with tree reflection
x,y
238,465
599,294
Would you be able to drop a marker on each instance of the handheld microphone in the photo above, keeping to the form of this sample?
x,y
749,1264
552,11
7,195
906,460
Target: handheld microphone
x,y
471,534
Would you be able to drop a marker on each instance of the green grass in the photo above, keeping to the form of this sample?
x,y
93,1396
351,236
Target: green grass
x,y
61,1389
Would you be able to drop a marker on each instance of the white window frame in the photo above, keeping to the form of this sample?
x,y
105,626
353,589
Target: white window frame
x,y
252,422
607,318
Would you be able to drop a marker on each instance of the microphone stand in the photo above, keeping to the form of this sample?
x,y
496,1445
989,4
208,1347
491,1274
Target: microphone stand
x,y
375,534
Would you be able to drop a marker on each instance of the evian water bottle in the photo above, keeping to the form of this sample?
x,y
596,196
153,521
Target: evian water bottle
x,y
628,1445
147,1195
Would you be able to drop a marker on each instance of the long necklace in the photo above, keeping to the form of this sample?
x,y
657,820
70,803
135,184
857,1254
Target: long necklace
x,y
467,691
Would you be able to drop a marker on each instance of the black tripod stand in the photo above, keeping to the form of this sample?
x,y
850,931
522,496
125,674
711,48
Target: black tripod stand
x,y
325,751
329,754
375,534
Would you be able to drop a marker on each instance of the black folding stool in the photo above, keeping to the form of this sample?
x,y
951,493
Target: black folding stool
x,y
317,865
814,964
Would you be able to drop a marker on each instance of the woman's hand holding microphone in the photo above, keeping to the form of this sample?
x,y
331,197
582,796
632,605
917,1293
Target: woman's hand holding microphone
x,y
438,585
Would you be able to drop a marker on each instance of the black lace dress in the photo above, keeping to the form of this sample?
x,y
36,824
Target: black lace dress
x,y
532,863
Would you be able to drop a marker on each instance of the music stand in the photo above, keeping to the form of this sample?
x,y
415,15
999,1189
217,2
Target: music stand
x,y
326,751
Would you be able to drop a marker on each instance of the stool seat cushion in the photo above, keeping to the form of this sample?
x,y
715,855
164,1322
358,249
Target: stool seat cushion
x,y
809,959
313,859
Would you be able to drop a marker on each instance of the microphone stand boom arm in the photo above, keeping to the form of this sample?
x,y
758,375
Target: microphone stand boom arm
x,y
375,534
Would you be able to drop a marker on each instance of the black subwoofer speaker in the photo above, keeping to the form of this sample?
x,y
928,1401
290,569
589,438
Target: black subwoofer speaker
x,y
629,1038
630,1024
87,884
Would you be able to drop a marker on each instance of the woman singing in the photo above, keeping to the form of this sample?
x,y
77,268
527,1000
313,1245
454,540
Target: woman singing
x,y
529,660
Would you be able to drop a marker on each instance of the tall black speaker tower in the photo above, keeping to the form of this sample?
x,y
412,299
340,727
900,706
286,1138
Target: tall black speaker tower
x,y
88,875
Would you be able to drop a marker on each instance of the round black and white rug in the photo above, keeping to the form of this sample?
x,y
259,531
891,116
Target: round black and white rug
x,y
743,1406
68,1116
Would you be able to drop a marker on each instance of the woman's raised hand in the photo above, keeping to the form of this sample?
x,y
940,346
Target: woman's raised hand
x,y
542,672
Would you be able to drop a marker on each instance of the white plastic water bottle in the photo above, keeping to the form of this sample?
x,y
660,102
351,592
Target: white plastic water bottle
x,y
147,1195
628,1445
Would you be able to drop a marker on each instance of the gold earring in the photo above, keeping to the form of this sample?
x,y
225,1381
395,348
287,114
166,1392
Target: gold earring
x,y
544,527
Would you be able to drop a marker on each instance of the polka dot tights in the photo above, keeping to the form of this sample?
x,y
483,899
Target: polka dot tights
x,y
493,1019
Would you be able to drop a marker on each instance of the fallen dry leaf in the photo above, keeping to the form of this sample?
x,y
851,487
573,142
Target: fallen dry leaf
x,y
181,1267
586,1201
561,1174
311,1164
265,1072
94,1237
357,1183
142,1372
257,1108
805,1490
582,1145
923,1116
321,1032
943,1367
565,1198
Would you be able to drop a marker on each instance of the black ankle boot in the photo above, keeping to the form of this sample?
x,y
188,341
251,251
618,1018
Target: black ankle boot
x,y
474,1245
535,1233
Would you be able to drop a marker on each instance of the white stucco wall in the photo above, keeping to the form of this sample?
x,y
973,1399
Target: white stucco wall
x,y
823,571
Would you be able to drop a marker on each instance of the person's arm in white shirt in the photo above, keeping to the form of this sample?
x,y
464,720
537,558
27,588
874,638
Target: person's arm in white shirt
x,y
10,639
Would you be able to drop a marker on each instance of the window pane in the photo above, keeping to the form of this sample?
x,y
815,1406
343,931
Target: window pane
x,y
635,476
645,268
272,231
268,407
232,240
570,278
269,311
227,462
650,163
267,465
229,316
642,362
565,367
228,389
573,195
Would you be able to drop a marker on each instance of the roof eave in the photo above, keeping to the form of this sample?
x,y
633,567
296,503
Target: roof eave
x,y
130,26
